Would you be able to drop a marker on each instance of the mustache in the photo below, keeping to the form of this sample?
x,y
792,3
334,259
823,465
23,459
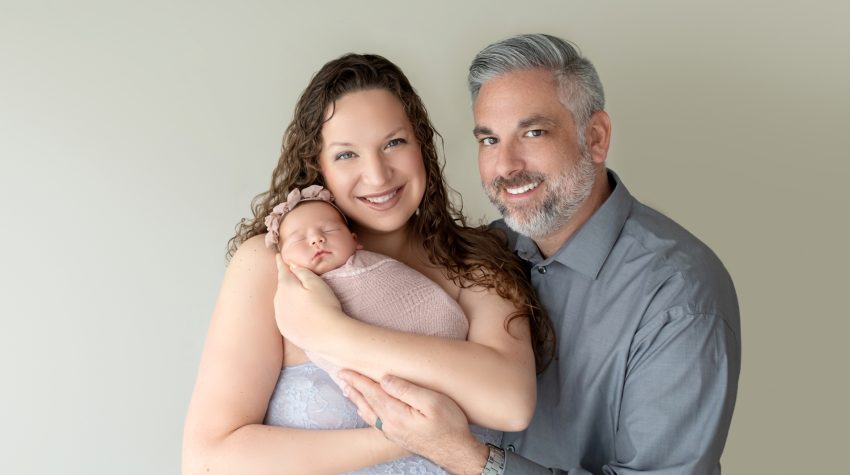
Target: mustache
x,y
521,178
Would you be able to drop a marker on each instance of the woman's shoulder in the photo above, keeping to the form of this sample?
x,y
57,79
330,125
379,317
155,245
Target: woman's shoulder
x,y
254,245
254,257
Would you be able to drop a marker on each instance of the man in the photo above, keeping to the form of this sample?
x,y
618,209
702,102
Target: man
x,y
646,369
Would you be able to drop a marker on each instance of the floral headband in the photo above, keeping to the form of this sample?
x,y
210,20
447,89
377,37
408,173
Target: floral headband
x,y
293,199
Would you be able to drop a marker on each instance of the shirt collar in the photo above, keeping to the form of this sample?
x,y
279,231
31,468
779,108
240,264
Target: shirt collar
x,y
588,248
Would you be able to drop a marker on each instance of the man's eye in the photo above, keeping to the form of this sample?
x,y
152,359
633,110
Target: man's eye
x,y
344,155
534,133
487,141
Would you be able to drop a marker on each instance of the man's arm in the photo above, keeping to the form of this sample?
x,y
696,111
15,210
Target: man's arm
x,y
675,412
677,400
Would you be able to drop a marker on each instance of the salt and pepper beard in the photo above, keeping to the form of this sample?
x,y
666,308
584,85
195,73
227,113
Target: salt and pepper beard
x,y
564,195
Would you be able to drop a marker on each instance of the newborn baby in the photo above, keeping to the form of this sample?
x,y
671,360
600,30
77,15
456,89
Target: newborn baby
x,y
311,232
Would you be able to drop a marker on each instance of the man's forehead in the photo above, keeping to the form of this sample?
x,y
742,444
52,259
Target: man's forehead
x,y
520,82
520,97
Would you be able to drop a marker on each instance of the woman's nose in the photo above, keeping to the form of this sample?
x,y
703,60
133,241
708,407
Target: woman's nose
x,y
377,170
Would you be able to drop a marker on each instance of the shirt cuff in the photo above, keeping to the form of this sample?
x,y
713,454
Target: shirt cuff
x,y
516,464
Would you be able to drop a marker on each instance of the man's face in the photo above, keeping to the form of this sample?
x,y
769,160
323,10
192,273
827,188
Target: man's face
x,y
534,163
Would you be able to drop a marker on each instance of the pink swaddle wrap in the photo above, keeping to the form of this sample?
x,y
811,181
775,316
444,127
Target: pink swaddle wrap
x,y
382,291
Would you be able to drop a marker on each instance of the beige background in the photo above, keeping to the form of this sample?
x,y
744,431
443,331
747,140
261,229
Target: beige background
x,y
134,134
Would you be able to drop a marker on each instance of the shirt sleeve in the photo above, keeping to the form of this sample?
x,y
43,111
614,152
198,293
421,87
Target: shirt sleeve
x,y
677,400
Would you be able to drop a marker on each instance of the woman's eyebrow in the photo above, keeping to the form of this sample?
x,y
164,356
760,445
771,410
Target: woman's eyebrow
x,y
340,144
393,132
349,144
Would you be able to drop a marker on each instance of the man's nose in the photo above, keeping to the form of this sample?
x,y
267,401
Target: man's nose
x,y
509,159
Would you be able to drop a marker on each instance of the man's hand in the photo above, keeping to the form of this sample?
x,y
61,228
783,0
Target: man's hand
x,y
422,421
304,306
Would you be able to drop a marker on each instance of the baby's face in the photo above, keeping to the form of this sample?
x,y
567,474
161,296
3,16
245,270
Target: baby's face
x,y
315,236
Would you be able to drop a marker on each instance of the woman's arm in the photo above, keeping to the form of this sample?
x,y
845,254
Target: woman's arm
x,y
239,368
491,375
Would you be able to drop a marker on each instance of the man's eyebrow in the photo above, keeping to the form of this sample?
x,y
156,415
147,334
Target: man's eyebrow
x,y
536,119
481,130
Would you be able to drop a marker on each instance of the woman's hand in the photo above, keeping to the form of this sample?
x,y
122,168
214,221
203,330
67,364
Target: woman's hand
x,y
304,306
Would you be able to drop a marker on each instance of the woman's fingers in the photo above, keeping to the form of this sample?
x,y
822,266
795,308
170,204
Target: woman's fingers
x,y
284,275
306,277
291,274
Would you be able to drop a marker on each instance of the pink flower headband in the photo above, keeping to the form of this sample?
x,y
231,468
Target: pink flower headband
x,y
295,198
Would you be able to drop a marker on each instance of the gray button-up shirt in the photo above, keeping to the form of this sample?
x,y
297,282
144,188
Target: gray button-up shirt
x,y
648,349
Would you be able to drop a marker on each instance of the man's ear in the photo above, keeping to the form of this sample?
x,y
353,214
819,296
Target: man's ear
x,y
359,246
598,136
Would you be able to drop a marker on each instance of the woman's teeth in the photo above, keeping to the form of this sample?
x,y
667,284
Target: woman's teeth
x,y
382,199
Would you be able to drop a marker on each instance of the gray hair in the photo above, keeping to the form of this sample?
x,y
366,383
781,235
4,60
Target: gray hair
x,y
580,89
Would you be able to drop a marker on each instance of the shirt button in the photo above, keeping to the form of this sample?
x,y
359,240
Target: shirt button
x,y
541,269
510,448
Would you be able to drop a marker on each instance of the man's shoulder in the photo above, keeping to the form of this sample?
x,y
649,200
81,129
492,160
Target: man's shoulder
x,y
669,242
685,270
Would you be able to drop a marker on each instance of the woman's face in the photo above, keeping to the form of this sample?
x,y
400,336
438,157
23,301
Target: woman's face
x,y
371,160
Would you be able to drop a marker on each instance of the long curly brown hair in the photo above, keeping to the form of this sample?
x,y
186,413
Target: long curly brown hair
x,y
470,256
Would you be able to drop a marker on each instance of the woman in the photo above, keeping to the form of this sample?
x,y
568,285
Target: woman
x,y
360,130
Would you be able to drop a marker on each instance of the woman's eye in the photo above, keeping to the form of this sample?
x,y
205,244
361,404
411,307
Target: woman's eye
x,y
487,141
344,155
395,142
534,133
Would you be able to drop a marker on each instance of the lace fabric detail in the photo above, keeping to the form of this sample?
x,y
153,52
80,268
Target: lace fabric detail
x,y
306,397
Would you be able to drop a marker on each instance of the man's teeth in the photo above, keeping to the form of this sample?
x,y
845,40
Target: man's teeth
x,y
382,199
522,189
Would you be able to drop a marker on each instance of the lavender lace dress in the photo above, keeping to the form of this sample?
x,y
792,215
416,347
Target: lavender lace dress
x,y
306,397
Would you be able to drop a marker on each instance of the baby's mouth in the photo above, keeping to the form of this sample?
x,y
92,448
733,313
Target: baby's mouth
x,y
320,254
